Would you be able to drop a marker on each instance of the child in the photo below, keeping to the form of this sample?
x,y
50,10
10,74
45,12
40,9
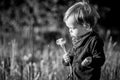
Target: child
x,y
87,55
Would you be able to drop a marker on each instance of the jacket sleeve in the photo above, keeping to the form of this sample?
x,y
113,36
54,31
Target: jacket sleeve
x,y
70,53
98,56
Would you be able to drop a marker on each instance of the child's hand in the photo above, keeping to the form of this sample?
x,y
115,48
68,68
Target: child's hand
x,y
66,58
86,61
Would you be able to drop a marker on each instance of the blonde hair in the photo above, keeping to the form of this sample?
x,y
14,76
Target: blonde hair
x,y
83,13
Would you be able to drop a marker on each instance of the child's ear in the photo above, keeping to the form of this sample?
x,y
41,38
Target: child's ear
x,y
87,26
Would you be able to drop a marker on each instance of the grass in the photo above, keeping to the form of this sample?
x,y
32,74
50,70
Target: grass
x,y
111,68
46,63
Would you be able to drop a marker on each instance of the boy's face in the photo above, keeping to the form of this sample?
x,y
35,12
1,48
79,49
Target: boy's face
x,y
74,28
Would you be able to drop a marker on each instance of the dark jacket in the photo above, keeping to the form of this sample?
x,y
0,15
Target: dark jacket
x,y
88,45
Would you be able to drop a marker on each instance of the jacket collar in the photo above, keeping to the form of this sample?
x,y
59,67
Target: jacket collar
x,y
80,38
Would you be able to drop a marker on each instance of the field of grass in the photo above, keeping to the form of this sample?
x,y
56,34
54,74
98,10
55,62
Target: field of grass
x,y
45,63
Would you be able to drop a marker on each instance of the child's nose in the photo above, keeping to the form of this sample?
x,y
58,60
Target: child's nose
x,y
70,30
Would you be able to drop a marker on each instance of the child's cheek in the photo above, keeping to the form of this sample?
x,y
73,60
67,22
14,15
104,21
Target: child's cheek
x,y
76,32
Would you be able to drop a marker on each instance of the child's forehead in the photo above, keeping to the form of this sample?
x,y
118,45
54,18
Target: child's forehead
x,y
70,20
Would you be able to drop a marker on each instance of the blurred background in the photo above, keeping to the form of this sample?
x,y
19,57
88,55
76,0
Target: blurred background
x,y
29,30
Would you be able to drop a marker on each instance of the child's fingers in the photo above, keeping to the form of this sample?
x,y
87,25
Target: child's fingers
x,y
83,63
66,58
86,61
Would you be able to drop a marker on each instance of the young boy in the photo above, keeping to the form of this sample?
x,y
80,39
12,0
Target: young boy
x,y
87,55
